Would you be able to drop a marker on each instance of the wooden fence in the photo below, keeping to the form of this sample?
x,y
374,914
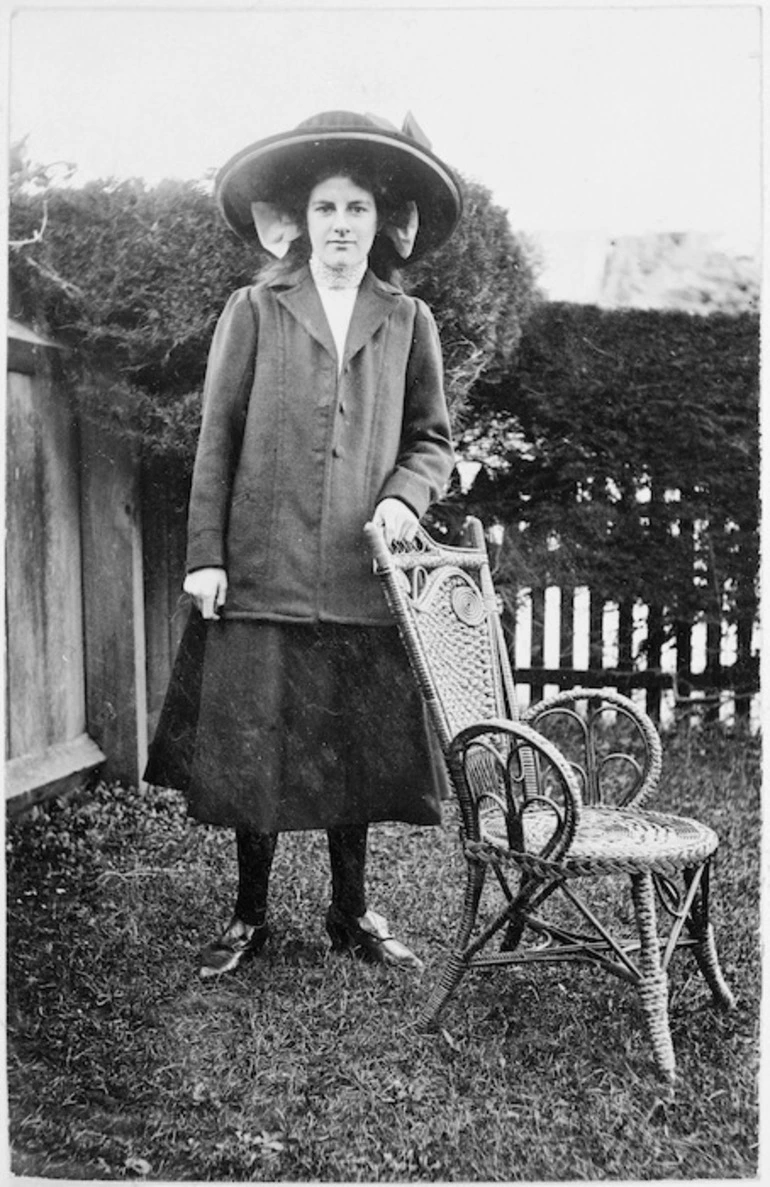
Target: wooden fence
x,y
46,735
75,655
559,638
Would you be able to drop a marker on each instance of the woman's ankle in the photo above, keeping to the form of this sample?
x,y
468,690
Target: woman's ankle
x,y
250,917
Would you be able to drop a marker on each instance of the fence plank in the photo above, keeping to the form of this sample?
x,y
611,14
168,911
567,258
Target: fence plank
x,y
683,641
654,650
567,631
744,634
113,597
164,530
596,630
625,634
538,635
44,634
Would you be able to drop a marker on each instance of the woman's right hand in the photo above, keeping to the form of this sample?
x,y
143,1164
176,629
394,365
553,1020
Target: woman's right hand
x,y
208,589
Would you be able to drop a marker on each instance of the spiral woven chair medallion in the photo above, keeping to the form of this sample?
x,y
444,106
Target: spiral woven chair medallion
x,y
468,605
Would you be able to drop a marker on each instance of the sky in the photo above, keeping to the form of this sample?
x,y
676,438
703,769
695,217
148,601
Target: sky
x,y
584,122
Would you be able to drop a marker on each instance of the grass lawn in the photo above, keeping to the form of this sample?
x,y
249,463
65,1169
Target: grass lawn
x,y
304,1066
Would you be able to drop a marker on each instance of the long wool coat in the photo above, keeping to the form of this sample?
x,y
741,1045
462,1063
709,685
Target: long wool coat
x,y
297,709
293,458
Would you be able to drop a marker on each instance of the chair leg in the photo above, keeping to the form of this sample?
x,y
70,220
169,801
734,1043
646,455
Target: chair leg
x,y
705,950
653,982
514,930
533,892
456,965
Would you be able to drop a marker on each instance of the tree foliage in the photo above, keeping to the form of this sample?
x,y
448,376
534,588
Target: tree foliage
x,y
134,279
625,444
481,287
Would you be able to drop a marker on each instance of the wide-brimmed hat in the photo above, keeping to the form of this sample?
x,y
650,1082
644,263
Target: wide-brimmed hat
x,y
268,169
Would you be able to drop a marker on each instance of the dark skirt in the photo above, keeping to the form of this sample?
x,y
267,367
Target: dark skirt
x,y
285,727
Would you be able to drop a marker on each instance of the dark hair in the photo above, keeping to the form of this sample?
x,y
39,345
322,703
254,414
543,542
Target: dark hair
x,y
384,260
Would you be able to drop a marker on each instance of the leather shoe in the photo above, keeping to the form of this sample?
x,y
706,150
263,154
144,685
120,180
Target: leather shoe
x,y
238,942
368,938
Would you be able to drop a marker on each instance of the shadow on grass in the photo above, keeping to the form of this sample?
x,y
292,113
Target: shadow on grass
x,y
302,1066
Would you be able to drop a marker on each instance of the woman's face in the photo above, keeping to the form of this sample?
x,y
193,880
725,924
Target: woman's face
x,y
341,222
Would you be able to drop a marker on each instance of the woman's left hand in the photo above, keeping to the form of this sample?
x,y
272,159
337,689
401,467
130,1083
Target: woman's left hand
x,y
398,522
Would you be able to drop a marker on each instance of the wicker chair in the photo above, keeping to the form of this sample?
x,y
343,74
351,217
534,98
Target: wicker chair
x,y
550,801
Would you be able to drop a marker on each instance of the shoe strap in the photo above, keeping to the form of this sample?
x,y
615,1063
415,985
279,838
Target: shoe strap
x,y
239,940
375,925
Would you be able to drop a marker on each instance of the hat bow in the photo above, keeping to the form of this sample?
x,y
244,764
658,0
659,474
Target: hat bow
x,y
277,230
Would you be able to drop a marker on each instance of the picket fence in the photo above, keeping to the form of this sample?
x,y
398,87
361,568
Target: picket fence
x,y
562,637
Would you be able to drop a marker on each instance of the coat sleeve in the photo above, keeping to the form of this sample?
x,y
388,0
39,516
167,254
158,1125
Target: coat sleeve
x,y
426,457
229,379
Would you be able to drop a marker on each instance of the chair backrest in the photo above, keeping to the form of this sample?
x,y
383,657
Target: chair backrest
x,y
445,605
585,745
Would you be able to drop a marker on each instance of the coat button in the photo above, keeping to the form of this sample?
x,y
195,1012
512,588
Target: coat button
x,y
336,451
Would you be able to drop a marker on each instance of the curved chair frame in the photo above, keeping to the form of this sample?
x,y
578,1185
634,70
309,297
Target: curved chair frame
x,y
545,821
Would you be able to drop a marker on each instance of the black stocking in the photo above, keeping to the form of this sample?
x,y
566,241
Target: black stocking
x,y
347,854
255,857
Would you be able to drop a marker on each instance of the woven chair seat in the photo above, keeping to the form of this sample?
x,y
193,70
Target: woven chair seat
x,y
617,840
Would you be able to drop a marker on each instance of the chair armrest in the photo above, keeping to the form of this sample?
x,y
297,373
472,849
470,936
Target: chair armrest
x,y
532,779
596,702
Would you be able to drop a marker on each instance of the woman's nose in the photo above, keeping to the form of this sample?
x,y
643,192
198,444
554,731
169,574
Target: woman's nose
x,y
341,221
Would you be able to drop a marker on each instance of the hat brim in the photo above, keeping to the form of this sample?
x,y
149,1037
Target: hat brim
x,y
267,169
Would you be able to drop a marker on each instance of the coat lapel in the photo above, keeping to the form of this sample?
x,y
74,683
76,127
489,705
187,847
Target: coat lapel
x,y
373,305
303,302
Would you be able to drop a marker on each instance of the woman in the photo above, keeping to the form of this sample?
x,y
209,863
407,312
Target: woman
x,y
291,705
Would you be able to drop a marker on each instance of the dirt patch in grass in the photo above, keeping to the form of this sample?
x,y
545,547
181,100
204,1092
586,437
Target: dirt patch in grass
x,y
303,1066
